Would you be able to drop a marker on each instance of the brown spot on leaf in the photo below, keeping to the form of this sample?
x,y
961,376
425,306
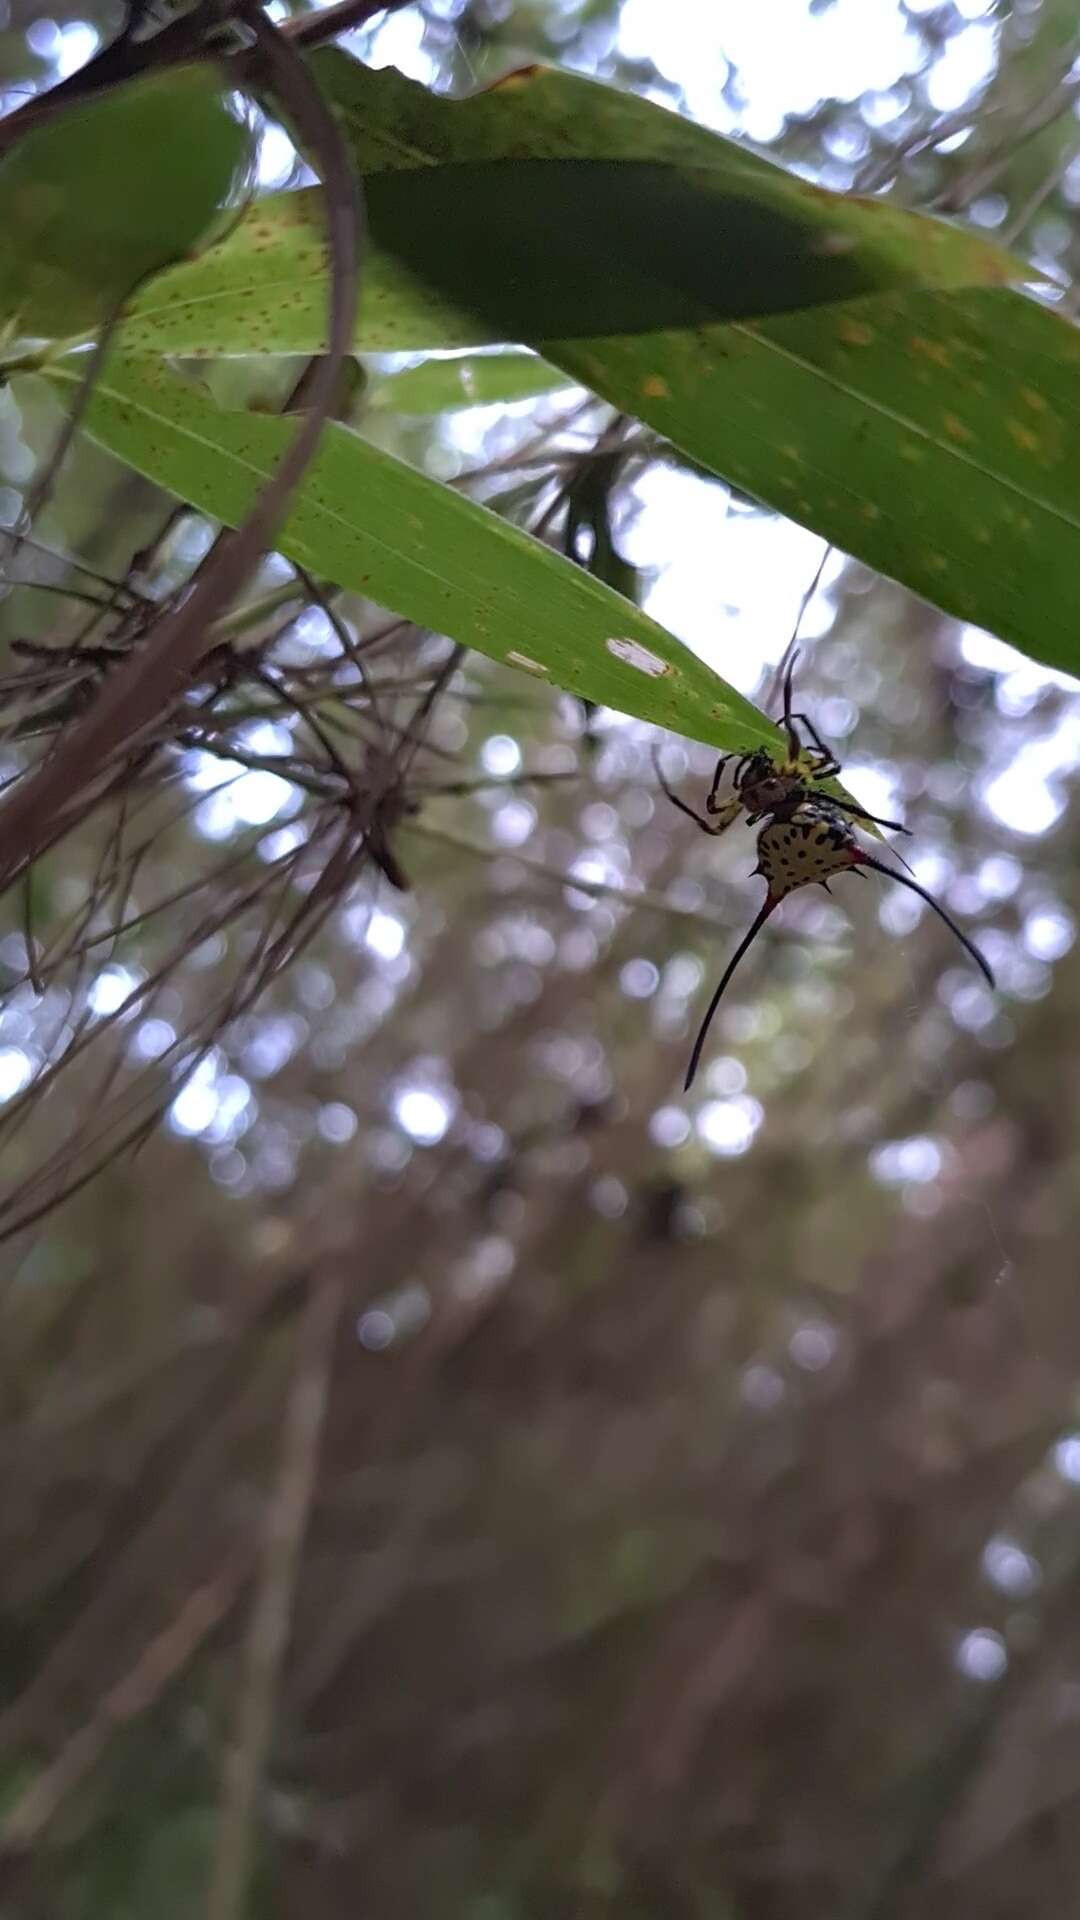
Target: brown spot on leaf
x,y
1026,440
855,333
655,388
956,429
930,350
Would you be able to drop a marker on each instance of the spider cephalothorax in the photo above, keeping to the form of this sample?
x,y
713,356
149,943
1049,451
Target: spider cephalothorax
x,y
807,836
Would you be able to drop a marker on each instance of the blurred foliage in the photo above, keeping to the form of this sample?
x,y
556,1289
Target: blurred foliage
x,y
692,1519
81,227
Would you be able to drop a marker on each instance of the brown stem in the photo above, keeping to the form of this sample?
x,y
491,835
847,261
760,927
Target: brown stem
x,y
286,1525
135,696
196,33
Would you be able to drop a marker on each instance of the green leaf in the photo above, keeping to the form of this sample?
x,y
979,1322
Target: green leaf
x,y
543,114
921,427
96,200
449,247
917,427
932,435
470,380
646,219
263,290
372,524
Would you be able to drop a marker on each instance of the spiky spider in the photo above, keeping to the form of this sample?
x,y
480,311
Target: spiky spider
x,y
805,839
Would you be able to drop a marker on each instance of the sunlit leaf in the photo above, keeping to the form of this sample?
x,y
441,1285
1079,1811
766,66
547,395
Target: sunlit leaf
x,y
931,435
917,427
102,196
546,205
370,523
468,380
262,290
542,114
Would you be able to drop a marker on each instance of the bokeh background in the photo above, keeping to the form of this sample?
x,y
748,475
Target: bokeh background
x,y
673,1501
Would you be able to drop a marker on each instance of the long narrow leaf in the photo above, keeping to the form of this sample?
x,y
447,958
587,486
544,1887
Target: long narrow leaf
x,y
370,523
920,426
530,192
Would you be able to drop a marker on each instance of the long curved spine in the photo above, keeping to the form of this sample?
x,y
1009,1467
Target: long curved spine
x,y
867,860
771,900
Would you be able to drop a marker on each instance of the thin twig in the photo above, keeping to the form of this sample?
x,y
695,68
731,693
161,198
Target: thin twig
x,y
202,30
161,1660
122,59
313,29
43,485
144,686
596,889
272,1612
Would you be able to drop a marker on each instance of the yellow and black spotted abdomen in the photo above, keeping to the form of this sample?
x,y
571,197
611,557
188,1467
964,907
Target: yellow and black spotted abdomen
x,y
807,848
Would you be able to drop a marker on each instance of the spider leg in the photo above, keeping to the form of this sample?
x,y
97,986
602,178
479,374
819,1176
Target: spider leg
x,y
771,900
724,814
707,826
825,765
737,777
867,860
718,775
794,743
852,806
826,752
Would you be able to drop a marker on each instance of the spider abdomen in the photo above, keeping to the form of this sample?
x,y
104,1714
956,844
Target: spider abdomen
x,y
806,837
805,849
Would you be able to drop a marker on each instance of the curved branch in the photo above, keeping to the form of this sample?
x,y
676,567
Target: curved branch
x,y
195,34
139,691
